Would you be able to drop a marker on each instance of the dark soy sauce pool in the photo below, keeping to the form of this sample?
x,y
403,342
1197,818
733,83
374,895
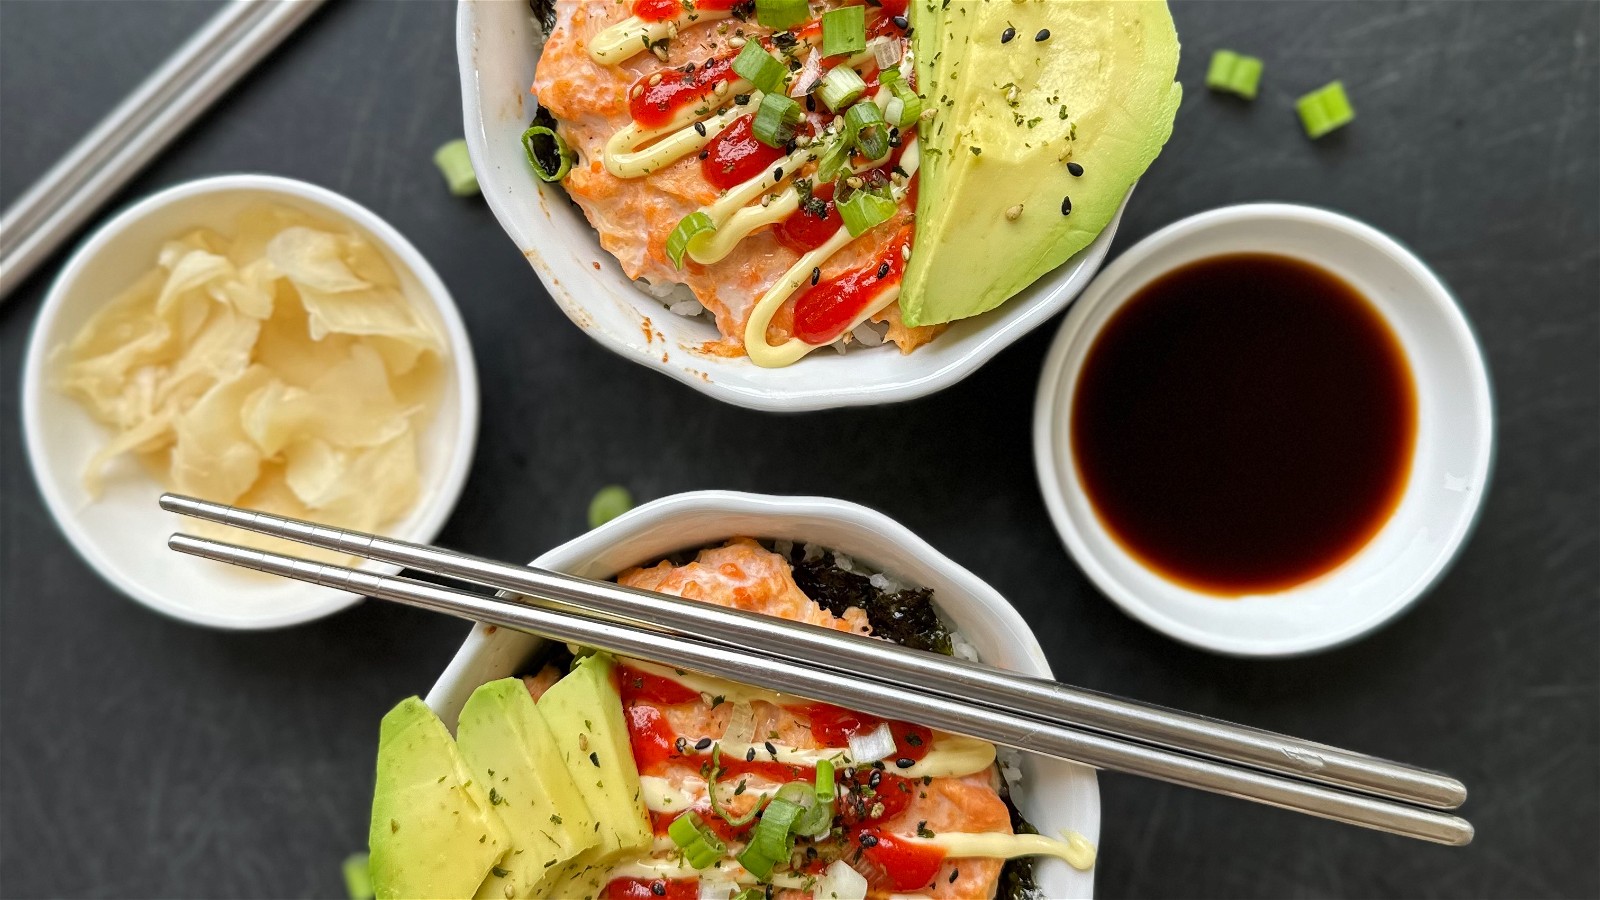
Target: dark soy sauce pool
x,y
1244,423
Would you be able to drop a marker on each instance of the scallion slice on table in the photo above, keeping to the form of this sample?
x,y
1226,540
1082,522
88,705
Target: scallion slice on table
x,y
1325,109
358,877
773,839
864,209
1234,73
782,13
755,65
841,87
456,166
700,845
865,128
548,154
844,30
612,500
776,120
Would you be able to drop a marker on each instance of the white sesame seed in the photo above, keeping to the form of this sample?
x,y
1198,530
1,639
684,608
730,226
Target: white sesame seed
x,y
1014,213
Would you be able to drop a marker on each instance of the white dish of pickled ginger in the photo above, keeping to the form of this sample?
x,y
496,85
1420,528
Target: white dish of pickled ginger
x,y
255,341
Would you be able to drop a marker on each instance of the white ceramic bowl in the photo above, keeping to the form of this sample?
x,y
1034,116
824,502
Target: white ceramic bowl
x,y
123,534
1053,794
498,44
1450,465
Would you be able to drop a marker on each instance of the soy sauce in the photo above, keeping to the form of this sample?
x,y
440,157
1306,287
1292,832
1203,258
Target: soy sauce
x,y
1244,423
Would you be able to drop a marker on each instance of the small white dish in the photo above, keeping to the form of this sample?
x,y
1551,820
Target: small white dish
x,y
1450,463
1053,794
123,534
497,45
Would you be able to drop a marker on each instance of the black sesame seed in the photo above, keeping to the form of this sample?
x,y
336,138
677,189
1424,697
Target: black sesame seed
x,y
883,269
681,744
771,750
750,755
811,103
1074,170
777,174
905,762
868,840
816,274
705,154
875,778
954,874
1066,206
741,99
700,128
1043,35
703,743
1007,35
914,740
901,22
659,888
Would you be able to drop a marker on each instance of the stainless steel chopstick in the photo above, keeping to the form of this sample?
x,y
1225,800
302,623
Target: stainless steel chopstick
x,y
873,697
855,656
148,119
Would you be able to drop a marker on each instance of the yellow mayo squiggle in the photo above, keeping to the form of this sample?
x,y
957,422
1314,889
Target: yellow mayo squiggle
x,y
633,35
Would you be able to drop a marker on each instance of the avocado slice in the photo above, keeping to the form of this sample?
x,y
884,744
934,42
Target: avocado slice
x,y
584,712
1035,140
434,832
505,741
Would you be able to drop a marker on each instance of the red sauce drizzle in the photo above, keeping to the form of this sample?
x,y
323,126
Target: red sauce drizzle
x,y
833,726
822,313
662,10
635,684
734,156
805,231
907,866
652,105
654,743
642,889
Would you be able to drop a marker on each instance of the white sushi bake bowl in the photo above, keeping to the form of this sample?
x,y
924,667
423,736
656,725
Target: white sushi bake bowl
x,y
497,45
1053,795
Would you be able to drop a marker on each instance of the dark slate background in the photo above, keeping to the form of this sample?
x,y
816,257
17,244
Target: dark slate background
x,y
143,757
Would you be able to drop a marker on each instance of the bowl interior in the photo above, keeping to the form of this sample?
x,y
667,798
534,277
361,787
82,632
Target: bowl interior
x,y
498,45
1450,463
1053,795
123,533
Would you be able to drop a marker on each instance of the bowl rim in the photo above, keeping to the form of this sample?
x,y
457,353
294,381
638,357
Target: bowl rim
x,y
912,378
462,674
1049,457
447,488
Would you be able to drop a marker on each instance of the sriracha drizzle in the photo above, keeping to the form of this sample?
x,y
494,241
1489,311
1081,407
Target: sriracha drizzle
x,y
823,313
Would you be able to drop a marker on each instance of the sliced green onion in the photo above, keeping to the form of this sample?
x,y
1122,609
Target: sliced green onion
x,y
548,154
825,786
782,13
816,814
357,877
456,166
776,120
773,839
864,209
910,101
609,502
711,793
690,227
833,160
755,65
865,128
841,87
844,30
1325,109
1234,73
700,845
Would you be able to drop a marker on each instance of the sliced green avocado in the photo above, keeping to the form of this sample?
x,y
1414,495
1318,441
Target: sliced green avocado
x,y
433,832
1082,82
505,741
584,712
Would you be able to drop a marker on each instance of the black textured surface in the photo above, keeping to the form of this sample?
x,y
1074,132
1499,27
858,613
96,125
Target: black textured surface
x,y
142,757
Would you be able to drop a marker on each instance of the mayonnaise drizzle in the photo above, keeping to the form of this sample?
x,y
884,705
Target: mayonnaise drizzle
x,y
633,35
674,140
1076,850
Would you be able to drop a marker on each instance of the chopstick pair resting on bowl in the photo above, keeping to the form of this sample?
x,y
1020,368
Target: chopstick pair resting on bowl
x,y
967,698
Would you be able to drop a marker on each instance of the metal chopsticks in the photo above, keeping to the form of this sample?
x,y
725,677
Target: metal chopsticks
x,y
946,710
148,119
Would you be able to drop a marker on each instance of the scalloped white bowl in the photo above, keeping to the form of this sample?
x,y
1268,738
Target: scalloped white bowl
x,y
1053,794
497,45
